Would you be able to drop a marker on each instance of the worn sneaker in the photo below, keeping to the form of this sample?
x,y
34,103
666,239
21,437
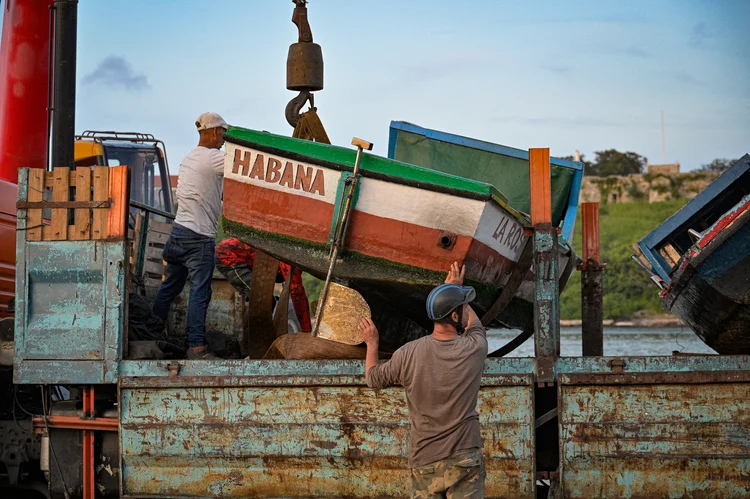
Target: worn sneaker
x,y
204,354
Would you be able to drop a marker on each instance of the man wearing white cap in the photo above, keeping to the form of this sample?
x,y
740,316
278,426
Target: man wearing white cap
x,y
189,251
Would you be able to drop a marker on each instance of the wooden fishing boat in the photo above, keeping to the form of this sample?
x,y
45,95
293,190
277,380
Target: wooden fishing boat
x,y
408,224
507,168
700,258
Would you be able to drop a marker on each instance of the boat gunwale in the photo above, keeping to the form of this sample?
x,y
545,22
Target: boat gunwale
x,y
492,194
696,255
479,145
666,229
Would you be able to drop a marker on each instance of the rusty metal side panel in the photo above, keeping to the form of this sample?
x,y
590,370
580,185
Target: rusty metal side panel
x,y
650,438
239,439
70,318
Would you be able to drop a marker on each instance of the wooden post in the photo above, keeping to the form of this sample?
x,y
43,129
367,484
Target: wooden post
x,y
546,296
592,288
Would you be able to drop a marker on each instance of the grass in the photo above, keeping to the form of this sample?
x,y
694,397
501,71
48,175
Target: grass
x,y
628,290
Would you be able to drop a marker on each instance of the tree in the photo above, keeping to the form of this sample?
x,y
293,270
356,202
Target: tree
x,y
718,165
614,162
586,164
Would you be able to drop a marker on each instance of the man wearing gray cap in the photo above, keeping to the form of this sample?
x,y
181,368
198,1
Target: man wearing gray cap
x,y
189,251
441,374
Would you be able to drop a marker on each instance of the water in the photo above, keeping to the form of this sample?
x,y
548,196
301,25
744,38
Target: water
x,y
617,341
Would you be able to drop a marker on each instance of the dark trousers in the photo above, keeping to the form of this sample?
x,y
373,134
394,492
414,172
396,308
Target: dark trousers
x,y
189,256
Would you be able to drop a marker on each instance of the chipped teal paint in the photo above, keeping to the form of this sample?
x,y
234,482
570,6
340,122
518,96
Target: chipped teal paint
x,y
239,439
667,364
275,368
70,307
507,366
656,439
546,303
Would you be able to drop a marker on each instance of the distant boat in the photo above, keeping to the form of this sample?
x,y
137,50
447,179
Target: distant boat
x,y
700,258
407,226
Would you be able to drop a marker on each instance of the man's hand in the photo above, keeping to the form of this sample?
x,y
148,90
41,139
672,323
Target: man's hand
x,y
456,274
369,332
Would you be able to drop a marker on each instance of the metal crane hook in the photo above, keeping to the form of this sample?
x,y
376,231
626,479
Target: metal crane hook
x,y
294,107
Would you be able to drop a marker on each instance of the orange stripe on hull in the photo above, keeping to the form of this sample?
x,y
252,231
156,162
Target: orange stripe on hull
x,y
310,219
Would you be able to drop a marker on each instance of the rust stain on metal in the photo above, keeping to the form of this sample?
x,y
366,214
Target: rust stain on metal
x,y
644,435
300,441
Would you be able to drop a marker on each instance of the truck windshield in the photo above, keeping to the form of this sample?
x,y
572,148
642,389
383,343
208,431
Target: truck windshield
x,y
149,181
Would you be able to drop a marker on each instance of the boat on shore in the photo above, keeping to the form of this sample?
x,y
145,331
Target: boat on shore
x,y
700,258
408,224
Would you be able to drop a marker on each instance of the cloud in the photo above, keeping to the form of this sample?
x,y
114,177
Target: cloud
x,y
698,35
557,68
115,71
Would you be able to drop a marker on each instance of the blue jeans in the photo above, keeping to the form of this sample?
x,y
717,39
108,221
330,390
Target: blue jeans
x,y
188,255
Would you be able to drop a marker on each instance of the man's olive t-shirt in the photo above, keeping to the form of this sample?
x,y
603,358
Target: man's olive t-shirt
x,y
441,379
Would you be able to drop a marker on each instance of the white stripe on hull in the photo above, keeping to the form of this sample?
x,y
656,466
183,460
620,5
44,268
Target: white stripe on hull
x,y
486,221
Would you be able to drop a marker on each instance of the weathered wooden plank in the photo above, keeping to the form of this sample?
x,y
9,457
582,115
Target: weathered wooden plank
x,y
60,192
159,227
118,194
82,230
259,334
151,282
36,193
49,179
153,267
157,237
154,253
101,193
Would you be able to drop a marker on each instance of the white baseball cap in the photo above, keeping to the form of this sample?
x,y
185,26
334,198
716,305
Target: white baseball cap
x,y
207,121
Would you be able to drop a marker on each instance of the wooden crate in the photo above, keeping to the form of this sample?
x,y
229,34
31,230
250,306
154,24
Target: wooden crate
x,y
152,235
68,194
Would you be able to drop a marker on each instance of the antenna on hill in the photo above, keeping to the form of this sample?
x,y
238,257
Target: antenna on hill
x,y
663,141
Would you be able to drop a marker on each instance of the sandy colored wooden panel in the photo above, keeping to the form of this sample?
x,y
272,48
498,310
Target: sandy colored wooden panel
x,y
82,229
101,193
35,194
60,192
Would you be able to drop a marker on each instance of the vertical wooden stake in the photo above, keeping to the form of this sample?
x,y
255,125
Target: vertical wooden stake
x,y
101,193
60,192
592,284
82,229
35,194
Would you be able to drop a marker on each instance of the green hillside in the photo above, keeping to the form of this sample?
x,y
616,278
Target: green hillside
x,y
628,291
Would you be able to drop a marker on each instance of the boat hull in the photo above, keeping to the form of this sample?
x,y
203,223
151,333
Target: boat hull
x,y
402,236
710,291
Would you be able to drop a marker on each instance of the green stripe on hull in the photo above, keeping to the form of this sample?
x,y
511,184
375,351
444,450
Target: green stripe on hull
x,y
376,164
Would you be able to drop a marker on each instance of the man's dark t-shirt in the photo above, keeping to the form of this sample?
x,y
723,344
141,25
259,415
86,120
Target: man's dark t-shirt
x,y
441,379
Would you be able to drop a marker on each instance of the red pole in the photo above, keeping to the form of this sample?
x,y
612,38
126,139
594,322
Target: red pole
x,y
24,86
89,479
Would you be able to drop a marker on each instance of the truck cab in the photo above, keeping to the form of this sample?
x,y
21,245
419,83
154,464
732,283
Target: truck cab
x,y
146,156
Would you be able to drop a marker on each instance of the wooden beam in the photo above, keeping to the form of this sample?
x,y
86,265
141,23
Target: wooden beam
x,y
540,183
118,195
36,193
82,229
101,193
60,186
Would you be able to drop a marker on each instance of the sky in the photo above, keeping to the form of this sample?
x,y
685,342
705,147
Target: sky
x,y
584,75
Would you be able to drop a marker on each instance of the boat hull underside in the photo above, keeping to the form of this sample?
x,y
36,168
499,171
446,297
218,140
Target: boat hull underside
x,y
714,296
395,292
